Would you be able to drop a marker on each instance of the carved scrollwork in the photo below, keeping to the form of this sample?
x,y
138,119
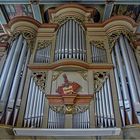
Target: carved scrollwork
x,y
43,44
4,38
40,79
28,35
62,20
69,109
115,35
99,78
99,44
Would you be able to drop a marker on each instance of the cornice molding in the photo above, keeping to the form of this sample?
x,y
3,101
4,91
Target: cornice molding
x,y
69,64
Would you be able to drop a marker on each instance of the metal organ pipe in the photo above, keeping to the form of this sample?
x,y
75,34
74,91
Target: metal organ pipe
x,y
19,96
110,101
120,97
132,85
134,64
66,50
28,102
7,65
15,84
104,107
107,103
10,76
34,108
33,91
72,42
124,84
70,39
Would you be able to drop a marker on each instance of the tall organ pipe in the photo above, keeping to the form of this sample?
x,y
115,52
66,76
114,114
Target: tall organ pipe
x,y
104,107
20,91
7,65
101,109
134,65
124,84
120,97
70,39
29,115
28,102
15,84
10,75
107,102
110,101
133,89
74,40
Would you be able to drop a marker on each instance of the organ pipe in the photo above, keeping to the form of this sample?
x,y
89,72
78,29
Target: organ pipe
x,y
72,42
15,84
107,102
70,39
134,64
133,89
20,91
120,97
10,76
124,84
28,102
110,101
7,65
104,107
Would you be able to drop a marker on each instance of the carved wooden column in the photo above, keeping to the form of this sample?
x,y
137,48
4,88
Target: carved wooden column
x,y
52,53
89,59
47,91
92,103
115,100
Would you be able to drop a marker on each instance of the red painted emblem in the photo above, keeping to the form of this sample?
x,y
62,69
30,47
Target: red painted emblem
x,y
68,87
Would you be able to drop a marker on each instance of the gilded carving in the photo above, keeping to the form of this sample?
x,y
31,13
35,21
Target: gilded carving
x,y
69,109
63,19
99,44
4,38
99,78
40,79
115,35
43,44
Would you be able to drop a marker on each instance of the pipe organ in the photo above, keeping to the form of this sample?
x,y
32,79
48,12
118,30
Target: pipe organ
x,y
70,68
70,41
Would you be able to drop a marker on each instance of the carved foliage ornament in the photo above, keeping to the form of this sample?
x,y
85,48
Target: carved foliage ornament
x,y
99,78
115,35
4,38
99,44
28,35
70,109
43,44
62,20
40,79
